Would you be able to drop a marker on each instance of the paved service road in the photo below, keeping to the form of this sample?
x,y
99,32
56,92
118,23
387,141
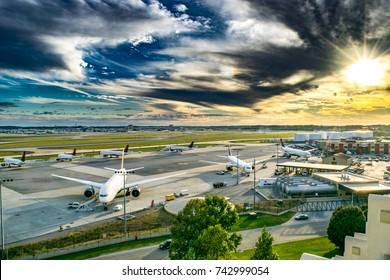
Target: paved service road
x,y
292,230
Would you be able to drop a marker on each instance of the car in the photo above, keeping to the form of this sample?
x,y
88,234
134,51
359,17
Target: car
x,y
220,173
118,207
301,217
165,245
74,205
278,172
219,184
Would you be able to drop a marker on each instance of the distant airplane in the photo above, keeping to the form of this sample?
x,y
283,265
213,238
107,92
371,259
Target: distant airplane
x,y
114,153
234,162
290,151
9,161
115,184
179,148
63,157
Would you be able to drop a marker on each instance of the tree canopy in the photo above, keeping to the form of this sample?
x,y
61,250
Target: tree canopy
x,y
201,230
346,220
263,249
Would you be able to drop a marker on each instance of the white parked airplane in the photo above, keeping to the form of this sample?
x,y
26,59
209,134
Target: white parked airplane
x,y
63,157
114,153
296,152
234,162
179,148
117,183
9,161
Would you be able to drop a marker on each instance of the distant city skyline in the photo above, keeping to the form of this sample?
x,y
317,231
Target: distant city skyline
x,y
226,62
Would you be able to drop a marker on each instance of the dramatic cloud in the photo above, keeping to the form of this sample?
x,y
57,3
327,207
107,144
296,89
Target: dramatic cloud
x,y
255,61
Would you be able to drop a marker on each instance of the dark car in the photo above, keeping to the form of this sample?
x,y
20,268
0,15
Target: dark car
x,y
301,217
165,245
219,184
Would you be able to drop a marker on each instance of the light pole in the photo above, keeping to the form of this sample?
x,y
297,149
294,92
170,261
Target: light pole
x,y
124,203
254,183
277,155
3,248
237,167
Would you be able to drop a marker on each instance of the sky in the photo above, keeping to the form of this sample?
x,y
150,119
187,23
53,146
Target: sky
x,y
194,62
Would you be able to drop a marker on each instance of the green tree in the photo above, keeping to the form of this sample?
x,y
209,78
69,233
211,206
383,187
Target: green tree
x,y
364,208
198,215
263,249
215,243
346,220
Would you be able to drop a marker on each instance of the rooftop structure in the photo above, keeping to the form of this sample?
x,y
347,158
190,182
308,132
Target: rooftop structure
x,y
348,183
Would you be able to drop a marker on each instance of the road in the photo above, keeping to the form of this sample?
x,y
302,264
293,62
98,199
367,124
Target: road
x,y
292,230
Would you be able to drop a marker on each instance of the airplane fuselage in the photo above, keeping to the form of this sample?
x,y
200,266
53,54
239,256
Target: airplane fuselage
x,y
8,161
296,152
242,165
111,188
62,157
112,153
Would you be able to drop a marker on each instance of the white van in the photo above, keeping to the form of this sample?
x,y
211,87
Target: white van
x,y
118,207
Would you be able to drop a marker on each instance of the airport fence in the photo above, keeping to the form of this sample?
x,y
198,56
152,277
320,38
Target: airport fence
x,y
272,206
47,254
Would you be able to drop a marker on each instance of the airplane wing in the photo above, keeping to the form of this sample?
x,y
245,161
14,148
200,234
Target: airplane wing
x,y
128,170
84,182
150,180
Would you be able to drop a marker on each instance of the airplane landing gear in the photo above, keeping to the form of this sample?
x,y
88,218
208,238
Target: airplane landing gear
x,y
105,207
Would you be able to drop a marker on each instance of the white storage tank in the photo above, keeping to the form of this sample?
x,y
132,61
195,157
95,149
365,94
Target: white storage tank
x,y
300,137
334,135
315,136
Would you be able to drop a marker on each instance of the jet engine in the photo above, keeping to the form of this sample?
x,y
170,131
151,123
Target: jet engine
x,y
135,192
229,168
89,192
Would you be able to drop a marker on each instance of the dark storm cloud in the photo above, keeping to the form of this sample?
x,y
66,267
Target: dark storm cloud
x,y
324,27
24,24
7,105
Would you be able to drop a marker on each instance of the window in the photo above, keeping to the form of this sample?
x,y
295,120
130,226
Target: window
x,y
355,250
385,216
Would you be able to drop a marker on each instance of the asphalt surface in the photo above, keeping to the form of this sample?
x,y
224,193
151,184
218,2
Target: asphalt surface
x,y
35,203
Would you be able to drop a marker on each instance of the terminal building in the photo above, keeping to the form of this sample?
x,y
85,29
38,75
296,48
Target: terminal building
x,y
326,180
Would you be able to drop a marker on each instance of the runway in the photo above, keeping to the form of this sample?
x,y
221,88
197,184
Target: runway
x,y
35,203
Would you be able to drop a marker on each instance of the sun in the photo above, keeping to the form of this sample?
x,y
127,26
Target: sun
x,y
366,73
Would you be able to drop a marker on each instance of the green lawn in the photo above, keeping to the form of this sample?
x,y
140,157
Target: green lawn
x,y
261,220
320,246
112,248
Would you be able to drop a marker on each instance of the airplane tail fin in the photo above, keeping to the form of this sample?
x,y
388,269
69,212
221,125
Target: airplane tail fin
x,y
191,145
23,156
229,150
126,148
281,142
74,152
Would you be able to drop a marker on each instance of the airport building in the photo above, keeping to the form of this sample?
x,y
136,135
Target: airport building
x,y
358,147
338,159
375,243
334,135
325,180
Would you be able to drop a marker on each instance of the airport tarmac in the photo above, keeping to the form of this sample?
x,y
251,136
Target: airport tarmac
x,y
35,203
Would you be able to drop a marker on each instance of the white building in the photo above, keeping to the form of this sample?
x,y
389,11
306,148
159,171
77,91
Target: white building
x,y
375,243
358,134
